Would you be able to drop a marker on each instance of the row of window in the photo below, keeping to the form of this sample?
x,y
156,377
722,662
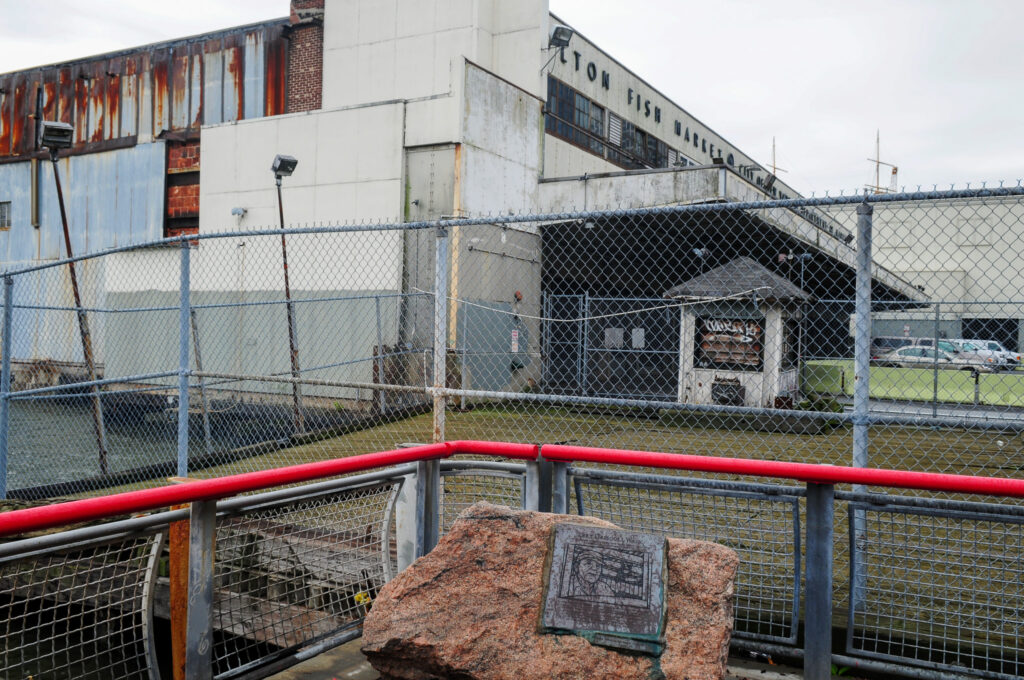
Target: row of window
x,y
586,124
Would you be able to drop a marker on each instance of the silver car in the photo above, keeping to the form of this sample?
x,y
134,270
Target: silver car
x,y
1012,358
925,357
966,353
990,357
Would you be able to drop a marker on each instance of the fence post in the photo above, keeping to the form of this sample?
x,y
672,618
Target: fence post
x,y
531,493
560,488
935,364
199,630
861,380
5,382
428,505
818,610
440,331
184,320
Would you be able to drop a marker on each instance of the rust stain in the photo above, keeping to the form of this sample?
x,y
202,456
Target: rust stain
x,y
96,92
159,91
236,73
5,119
18,120
179,91
81,115
114,106
275,77
93,96
197,78
65,96
50,100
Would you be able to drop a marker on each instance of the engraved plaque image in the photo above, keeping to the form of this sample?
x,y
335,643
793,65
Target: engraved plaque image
x,y
607,585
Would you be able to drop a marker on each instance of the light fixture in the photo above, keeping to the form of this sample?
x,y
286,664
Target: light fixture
x,y
560,36
769,183
283,166
56,135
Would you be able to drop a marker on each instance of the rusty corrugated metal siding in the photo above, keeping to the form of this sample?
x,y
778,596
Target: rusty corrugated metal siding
x,y
117,99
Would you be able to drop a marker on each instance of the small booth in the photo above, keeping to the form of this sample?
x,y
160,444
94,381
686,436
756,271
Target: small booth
x,y
740,337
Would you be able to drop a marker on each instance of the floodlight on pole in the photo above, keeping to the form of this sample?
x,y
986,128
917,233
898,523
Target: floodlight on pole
x,y
56,136
283,166
560,36
558,39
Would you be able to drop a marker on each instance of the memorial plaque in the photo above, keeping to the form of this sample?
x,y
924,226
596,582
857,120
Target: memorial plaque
x,y
606,585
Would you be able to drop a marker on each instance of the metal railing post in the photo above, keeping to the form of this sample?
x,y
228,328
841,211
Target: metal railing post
x,y
560,488
440,331
861,378
5,382
184,321
199,629
818,577
428,505
531,498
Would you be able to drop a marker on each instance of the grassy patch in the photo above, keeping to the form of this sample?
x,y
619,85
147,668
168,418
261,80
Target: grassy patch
x,y
835,376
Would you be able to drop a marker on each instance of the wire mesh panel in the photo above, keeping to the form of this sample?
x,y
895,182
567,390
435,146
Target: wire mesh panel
x,y
288,576
764,530
462,488
80,613
942,589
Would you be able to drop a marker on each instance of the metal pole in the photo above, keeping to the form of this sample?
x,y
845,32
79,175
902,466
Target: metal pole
x,y
5,383
861,378
428,505
560,488
382,395
440,331
83,328
586,339
531,491
183,372
818,610
298,423
202,384
935,366
199,627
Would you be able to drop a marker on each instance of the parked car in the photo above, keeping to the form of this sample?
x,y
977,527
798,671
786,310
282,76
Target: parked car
x,y
883,344
990,356
983,360
925,357
1012,358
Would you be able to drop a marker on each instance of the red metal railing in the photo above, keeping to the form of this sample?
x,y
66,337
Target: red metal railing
x,y
34,519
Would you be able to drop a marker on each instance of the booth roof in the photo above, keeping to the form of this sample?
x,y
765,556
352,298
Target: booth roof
x,y
741,278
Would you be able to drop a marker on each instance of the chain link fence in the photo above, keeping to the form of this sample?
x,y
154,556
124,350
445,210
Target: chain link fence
x,y
880,331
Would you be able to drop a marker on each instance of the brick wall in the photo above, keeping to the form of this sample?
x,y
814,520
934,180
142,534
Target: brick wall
x,y
182,211
305,56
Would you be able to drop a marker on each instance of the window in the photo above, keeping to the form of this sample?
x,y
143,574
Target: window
x,y
574,117
5,214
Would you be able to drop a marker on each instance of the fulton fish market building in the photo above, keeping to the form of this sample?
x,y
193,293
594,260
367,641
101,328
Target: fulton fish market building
x,y
396,112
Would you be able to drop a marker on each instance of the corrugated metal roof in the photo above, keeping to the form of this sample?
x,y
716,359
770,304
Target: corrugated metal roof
x,y
114,99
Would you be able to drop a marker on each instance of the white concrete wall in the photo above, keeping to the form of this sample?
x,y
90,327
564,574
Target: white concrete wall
x,y
562,159
379,50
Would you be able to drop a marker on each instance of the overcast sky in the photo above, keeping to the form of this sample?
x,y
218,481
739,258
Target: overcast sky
x,y
941,79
